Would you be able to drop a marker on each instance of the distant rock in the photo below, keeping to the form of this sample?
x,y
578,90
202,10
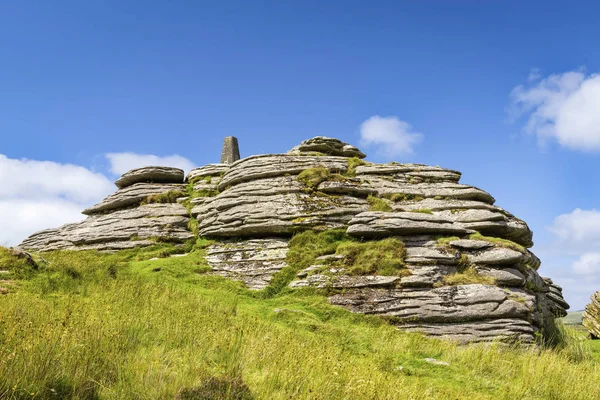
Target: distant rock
x,y
591,316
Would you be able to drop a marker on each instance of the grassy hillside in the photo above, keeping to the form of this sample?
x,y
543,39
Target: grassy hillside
x,y
121,326
573,318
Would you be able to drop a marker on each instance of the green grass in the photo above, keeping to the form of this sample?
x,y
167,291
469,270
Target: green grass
x,y
169,197
498,241
377,204
444,241
379,257
16,267
353,163
400,197
466,276
110,327
312,177
422,210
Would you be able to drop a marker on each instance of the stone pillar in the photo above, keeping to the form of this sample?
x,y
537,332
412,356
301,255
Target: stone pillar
x,y
231,150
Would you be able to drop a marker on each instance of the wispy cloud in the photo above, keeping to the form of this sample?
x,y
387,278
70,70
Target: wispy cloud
x,y
562,107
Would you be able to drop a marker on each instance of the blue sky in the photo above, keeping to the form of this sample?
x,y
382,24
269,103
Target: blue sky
x,y
80,80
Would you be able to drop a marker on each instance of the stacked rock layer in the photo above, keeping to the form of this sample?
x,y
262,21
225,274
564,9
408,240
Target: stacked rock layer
x,y
125,219
591,316
253,206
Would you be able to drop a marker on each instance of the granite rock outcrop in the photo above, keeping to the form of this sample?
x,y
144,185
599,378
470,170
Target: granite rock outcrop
x,y
467,271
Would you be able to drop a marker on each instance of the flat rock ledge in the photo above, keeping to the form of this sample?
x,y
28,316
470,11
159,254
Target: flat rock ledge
x,y
151,174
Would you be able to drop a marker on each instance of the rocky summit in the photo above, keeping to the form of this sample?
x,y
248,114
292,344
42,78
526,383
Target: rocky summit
x,y
462,270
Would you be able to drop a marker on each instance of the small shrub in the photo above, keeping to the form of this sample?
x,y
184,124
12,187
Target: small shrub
x,y
312,177
381,257
377,204
169,197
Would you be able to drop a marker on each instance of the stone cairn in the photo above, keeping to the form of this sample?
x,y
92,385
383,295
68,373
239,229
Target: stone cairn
x,y
251,207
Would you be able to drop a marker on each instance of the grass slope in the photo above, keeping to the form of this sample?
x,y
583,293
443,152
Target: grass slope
x,y
121,326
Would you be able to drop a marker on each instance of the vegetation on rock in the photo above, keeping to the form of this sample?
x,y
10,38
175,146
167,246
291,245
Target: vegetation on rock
x,y
312,177
377,204
466,276
169,197
378,257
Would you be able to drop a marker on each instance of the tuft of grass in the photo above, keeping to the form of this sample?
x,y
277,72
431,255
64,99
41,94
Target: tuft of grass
x,y
498,241
169,197
379,257
422,210
377,204
352,164
400,197
444,241
467,276
312,177
193,226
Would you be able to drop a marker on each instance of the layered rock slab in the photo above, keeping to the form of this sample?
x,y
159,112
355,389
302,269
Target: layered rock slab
x,y
254,262
123,229
152,174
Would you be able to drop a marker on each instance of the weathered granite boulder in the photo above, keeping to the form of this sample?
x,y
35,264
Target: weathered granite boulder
x,y
591,316
466,271
327,146
150,174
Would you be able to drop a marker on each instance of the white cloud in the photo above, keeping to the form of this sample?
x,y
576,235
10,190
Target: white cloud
x,y
20,218
573,260
588,264
564,107
392,136
36,195
577,231
43,179
123,162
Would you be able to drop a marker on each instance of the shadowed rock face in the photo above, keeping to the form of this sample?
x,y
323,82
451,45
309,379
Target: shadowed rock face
x,y
251,207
